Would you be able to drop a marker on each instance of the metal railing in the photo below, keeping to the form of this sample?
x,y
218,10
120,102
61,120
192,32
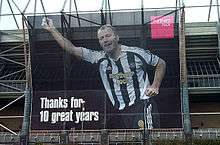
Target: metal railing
x,y
113,136
204,75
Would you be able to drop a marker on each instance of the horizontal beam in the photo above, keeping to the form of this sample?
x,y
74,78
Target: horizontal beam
x,y
204,90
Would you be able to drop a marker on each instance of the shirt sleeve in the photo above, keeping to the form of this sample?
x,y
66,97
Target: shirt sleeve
x,y
154,60
150,58
91,56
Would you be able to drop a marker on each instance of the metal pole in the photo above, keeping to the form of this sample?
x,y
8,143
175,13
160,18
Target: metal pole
x,y
70,11
218,27
65,33
102,5
210,8
26,6
103,21
77,13
109,10
83,19
146,133
35,8
12,61
1,9
12,102
0,18
24,135
218,11
183,79
142,12
105,11
8,129
42,5
13,14
64,4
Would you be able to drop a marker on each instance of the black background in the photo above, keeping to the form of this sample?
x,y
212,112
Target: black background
x,y
55,73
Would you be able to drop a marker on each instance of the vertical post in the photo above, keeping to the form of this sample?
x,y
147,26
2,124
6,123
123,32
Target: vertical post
x,y
210,8
183,79
142,12
143,31
35,8
104,137
64,137
64,134
146,136
24,135
218,12
103,21
77,14
218,30
0,18
109,10
218,27
1,9
105,107
105,10
70,11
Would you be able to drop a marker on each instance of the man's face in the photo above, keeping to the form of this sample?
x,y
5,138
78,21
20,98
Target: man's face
x,y
108,40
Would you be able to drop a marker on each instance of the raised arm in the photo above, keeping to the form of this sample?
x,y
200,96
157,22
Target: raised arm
x,y
158,77
62,41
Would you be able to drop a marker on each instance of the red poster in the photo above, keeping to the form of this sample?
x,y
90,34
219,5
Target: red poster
x,y
162,27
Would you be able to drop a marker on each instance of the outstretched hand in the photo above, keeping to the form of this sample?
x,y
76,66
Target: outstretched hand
x,y
152,91
47,24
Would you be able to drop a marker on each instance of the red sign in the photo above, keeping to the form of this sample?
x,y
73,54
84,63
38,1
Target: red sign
x,y
162,27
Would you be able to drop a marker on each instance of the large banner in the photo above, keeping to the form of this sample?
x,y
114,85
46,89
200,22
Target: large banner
x,y
69,93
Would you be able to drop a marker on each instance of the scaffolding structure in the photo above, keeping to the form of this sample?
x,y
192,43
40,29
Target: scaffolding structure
x,y
15,82
203,61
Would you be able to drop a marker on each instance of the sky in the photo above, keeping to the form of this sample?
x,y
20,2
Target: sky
x,y
195,14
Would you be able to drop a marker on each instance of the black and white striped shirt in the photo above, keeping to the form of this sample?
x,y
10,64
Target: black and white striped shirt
x,y
125,80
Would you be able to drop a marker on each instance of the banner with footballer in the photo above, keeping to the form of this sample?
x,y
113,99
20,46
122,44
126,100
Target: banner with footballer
x,y
96,91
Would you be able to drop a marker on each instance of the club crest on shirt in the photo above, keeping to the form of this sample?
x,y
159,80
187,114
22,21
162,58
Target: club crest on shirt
x,y
122,78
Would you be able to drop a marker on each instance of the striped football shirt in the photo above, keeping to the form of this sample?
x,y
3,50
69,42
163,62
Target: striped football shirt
x,y
125,79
